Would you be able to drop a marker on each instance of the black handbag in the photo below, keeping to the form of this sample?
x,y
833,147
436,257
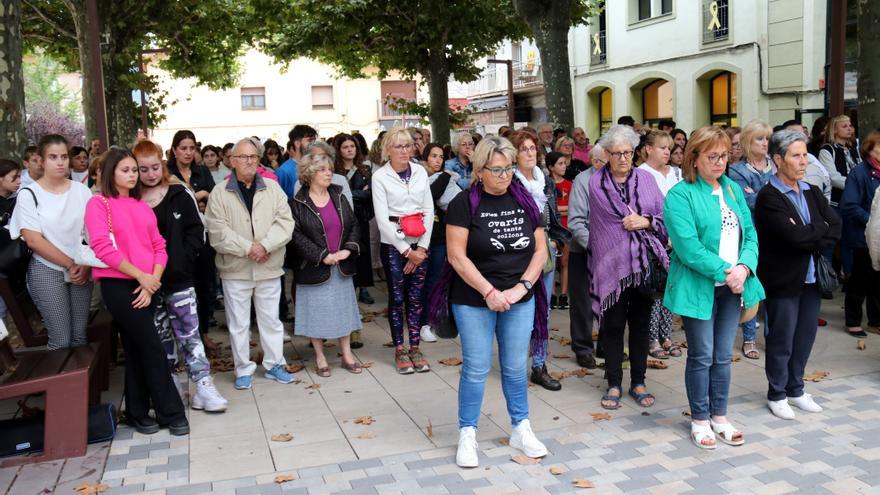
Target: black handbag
x,y
826,279
14,253
654,282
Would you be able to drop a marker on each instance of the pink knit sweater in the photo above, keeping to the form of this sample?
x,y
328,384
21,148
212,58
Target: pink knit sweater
x,y
136,232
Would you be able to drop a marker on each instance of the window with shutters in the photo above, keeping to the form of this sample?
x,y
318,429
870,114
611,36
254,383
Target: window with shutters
x,y
253,98
322,97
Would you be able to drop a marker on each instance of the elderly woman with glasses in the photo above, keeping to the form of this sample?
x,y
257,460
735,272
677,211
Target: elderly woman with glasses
x,y
626,233
495,240
711,277
794,224
405,215
463,144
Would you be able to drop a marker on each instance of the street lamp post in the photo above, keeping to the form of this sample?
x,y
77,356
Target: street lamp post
x,y
509,64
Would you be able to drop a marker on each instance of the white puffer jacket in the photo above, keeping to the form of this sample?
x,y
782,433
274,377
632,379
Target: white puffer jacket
x,y
872,231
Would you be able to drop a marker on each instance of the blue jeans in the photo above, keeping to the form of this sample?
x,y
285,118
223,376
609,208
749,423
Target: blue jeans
x,y
710,348
750,330
436,262
476,328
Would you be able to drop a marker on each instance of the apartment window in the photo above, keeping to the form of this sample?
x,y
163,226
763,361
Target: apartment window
x,y
597,41
643,10
322,97
395,90
605,110
722,96
657,102
716,20
253,98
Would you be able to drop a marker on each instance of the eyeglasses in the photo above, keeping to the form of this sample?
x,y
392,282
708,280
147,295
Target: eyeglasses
x,y
402,147
530,149
247,158
717,158
500,171
617,155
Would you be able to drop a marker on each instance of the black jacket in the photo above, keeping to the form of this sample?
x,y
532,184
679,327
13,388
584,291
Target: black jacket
x,y
309,243
362,195
785,244
181,226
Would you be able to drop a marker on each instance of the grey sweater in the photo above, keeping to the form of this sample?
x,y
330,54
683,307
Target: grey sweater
x,y
579,211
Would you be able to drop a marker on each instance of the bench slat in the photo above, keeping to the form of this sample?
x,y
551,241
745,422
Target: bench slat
x,y
48,364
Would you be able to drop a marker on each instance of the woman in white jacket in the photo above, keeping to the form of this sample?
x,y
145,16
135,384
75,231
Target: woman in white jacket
x,y
405,216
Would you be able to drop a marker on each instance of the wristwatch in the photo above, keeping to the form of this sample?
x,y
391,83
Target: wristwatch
x,y
526,284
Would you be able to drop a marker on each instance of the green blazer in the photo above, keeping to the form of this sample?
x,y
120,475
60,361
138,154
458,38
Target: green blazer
x,y
693,219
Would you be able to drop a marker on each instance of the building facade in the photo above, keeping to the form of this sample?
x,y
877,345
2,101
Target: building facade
x,y
270,99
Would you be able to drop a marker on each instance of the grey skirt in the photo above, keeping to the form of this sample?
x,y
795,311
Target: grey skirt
x,y
329,310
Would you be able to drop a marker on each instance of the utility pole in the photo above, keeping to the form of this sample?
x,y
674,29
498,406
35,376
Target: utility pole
x,y
509,64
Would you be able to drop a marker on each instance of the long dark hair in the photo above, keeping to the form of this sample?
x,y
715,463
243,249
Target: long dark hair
x,y
49,140
110,160
179,136
270,144
339,166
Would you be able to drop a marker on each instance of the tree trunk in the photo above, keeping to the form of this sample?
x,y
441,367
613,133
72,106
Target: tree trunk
x,y
13,139
549,22
77,10
438,79
869,66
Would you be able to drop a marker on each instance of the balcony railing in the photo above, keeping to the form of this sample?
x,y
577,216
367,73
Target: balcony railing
x,y
494,77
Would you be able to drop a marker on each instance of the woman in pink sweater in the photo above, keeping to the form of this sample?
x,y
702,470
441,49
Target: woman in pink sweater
x,y
124,235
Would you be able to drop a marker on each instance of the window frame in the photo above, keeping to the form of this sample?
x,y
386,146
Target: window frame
x,y
248,97
323,106
730,118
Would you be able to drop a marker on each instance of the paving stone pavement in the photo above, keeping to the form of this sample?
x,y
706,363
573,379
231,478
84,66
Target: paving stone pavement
x,y
644,451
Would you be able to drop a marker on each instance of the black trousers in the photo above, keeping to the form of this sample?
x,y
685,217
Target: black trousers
x,y
633,308
205,276
863,286
580,311
791,331
147,375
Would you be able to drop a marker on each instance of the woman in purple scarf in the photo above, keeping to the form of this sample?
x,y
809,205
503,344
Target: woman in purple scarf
x,y
626,223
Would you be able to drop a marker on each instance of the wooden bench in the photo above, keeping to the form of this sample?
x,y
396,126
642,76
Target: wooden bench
x,y
66,378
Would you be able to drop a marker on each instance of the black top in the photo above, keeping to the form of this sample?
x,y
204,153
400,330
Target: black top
x,y
574,168
247,195
181,226
785,244
438,187
200,178
501,243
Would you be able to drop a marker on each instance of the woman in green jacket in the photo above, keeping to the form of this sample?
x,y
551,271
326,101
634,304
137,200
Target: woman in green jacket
x,y
711,277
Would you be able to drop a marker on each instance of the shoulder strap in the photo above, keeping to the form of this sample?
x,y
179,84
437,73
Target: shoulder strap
x,y
36,203
109,217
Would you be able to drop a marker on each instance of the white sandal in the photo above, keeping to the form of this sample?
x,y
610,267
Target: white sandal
x,y
726,432
700,433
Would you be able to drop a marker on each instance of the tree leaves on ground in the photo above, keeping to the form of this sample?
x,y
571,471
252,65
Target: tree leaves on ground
x,y
91,488
600,416
451,361
525,460
816,376
284,478
364,420
282,437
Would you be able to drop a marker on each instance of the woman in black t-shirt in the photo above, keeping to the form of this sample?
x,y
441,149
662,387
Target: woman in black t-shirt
x,y
496,247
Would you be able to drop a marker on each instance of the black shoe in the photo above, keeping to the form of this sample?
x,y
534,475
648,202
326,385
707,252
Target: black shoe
x,y
586,361
599,352
146,426
542,378
563,302
179,427
356,344
554,302
365,297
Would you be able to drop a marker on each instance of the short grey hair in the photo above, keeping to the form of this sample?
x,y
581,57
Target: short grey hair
x,y
456,140
619,134
597,151
311,165
329,150
487,148
781,140
251,141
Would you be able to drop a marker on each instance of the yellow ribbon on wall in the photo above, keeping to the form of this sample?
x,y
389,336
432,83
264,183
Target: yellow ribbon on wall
x,y
715,23
597,48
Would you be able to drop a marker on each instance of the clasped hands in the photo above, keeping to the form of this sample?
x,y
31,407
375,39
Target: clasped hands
x,y
335,258
501,301
736,278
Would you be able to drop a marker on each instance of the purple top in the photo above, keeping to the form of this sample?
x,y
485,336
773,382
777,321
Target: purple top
x,y
406,174
332,226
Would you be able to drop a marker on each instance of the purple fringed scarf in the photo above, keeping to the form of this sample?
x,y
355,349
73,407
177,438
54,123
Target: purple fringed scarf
x,y
619,258
438,300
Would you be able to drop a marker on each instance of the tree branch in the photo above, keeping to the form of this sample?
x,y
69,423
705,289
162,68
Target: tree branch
x,y
49,20
39,37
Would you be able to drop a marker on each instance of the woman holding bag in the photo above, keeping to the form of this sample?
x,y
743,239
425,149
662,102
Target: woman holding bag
x,y
49,217
794,224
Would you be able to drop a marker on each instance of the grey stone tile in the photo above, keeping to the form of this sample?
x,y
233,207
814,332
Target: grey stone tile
x,y
150,446
360,464
237,483
742,460
259,489
366,490
319,471
120,490
428,463
445,479
195,489
372,481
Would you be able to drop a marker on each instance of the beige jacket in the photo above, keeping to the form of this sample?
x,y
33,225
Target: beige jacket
x,y
231,229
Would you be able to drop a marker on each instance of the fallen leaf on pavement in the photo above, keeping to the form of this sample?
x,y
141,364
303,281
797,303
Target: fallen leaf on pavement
x,y
282,437
388,344
554,329
657,364
451,361
683,344
860,345
563,341
525,460
555,471
284,478
600,416
685,413
562,356
582,483
735,359
88,489
367,435
580,372
314,386
430,428
367,364
557,375
364,420
503,441
294,368
816,376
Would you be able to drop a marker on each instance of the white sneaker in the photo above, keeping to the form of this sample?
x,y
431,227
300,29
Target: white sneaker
x,y
780,409
805,402
427,335
466,456
207,397
524,439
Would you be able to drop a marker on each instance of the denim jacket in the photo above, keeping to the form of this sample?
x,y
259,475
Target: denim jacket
x,y
750,180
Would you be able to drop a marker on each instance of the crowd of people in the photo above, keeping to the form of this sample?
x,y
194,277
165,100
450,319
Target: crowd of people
x,y
487,236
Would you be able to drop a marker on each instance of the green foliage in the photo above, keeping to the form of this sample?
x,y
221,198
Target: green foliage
x,y
41,86
458,115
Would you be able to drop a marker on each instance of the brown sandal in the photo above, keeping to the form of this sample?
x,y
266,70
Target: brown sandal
x,y
355,367
750,350
323,372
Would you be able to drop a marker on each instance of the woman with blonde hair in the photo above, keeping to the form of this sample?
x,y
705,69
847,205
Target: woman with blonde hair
x,y
839,154
405,215
565,146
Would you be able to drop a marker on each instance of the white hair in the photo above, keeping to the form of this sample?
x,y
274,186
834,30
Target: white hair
x,y
619,134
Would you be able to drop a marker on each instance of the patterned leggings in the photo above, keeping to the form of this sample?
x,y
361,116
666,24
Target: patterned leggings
x,y
403,289
661,322
176,318
63,305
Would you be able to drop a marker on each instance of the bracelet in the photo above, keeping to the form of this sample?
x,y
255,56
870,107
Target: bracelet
x,y
493,289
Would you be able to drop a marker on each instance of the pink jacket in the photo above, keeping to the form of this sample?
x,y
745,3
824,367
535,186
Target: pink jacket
x,y
135,230
264,172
